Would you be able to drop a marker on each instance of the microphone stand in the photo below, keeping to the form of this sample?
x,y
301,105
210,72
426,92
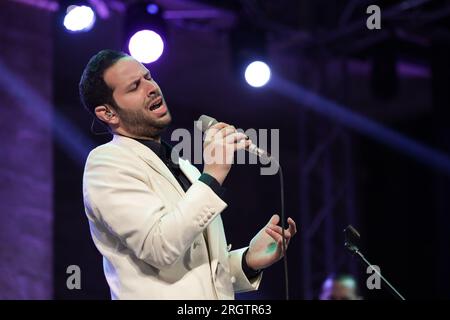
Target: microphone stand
x,y
351,236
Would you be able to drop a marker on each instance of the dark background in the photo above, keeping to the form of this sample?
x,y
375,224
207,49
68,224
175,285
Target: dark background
x,y
334,173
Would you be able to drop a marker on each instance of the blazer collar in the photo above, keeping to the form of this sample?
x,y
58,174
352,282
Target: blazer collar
x,y
191,172
149,157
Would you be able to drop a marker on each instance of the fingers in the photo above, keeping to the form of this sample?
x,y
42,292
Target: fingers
x,y
235,137
292,226
243,144
224,131
218,126
215,130
231,136
279,231
276,231
278,239
274,219
275,235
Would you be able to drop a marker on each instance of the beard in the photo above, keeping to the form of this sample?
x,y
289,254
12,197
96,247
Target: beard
x,y
139,123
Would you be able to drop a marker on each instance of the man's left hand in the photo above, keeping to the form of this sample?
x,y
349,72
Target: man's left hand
x,y
266,247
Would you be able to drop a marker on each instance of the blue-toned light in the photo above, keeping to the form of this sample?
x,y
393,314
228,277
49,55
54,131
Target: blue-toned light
x,y
146,46
152,8
79,18
257,74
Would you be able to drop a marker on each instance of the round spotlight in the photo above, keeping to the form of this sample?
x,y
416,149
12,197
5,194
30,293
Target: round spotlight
x,y
257,74
146,46
152,8
79,18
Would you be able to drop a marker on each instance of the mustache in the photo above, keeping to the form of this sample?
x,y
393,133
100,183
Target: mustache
x,y
154,97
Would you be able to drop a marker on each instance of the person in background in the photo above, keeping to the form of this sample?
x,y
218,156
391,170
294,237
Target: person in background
x,y
339,287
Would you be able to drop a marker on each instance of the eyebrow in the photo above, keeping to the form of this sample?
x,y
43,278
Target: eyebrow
x,y
147,73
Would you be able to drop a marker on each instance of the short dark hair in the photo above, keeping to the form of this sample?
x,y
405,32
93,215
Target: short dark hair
x,y
92,87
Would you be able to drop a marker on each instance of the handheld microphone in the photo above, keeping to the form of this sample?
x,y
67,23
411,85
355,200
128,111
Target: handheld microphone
x,y
206,122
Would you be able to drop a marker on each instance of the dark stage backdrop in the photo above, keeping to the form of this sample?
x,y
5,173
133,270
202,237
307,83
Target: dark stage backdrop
x,y
399,204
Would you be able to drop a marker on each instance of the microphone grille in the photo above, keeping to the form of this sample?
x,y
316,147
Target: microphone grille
x,y
205,122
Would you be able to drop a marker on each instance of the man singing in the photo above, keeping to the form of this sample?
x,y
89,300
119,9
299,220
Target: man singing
x,y
156,220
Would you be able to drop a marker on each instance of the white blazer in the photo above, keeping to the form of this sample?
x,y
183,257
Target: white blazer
x,y
152,234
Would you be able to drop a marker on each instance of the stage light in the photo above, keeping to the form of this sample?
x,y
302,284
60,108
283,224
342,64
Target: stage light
x,y
257,74
152,8
146,46
79,18
145,31
248,51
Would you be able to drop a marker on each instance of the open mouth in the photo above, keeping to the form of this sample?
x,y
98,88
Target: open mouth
x,y
155,105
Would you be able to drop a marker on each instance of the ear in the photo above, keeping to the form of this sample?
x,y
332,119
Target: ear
x,y
105,114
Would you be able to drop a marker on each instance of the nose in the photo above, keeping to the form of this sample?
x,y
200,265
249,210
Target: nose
x,y
152,88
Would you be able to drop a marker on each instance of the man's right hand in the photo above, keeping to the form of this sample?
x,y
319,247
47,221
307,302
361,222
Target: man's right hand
x,y
221,142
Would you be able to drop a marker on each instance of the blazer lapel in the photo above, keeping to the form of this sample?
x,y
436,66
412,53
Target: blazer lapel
x,y
150,158
215,228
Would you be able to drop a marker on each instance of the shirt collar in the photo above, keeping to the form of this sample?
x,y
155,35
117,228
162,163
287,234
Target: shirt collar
x,y
163,150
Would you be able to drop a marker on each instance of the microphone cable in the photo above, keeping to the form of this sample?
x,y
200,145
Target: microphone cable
x,y
283,241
